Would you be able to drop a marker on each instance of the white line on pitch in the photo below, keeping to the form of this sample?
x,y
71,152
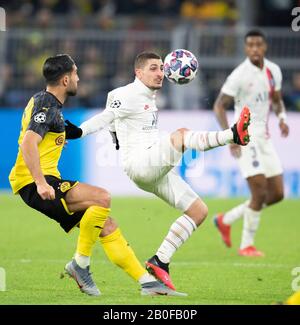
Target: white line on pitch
x,y
236,264
191,263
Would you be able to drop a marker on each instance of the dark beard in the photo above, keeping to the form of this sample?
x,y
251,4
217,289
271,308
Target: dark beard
x,y
71,92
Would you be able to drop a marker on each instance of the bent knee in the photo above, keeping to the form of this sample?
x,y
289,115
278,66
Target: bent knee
x,y
198,212
260,194
106,199
103,198
179,133
177,138
204,211
182,130
279,197
276,197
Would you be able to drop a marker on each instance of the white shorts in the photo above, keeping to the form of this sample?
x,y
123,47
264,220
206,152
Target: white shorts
x,y
259,157
153,171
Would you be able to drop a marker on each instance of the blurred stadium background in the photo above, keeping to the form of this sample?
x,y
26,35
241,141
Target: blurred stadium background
x,y
104,36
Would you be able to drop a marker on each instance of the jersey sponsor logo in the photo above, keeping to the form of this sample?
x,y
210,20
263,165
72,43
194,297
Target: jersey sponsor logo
x,y
115,104
146,107
60,140
153,123
155,118
64,187
40,117
262,97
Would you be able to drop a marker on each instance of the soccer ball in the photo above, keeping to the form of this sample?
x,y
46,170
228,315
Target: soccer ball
x,y
180,66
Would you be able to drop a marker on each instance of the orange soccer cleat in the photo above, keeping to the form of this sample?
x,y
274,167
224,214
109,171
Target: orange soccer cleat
x,y
223,229
251,251
240,128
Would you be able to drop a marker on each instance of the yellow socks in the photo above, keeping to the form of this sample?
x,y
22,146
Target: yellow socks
x,y
120,253
294,299
91,226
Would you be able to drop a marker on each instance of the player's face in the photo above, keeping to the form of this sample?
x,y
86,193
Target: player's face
x,y
73,81
255,48
152,74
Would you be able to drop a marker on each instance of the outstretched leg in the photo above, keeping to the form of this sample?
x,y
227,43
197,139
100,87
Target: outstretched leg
x,y
205,140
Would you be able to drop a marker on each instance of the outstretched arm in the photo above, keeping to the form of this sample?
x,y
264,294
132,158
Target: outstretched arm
x,y
97,122
94,124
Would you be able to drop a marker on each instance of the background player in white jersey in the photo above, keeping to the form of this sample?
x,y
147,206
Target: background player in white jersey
x,y
255,82
149,159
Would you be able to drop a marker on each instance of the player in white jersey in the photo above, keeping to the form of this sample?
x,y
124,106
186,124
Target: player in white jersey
x,y
255,82
149,159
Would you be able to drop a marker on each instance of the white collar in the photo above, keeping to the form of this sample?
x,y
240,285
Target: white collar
x,y
254,67
141,86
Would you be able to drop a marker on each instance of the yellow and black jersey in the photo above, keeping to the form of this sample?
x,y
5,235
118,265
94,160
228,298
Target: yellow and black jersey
x,y
42,115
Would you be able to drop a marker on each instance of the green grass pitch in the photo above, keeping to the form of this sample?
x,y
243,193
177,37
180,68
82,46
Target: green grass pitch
x,y
34,250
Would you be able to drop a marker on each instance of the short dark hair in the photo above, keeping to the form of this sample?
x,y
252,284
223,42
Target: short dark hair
x,y
56,66
255,32
141,59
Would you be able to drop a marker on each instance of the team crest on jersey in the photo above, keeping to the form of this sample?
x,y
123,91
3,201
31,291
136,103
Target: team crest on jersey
x,y
115,104
65,186
59,140
40,117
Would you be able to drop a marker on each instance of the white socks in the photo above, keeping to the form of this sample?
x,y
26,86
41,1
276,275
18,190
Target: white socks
x,y
145,278
232,215
206,140
251,223
82,260
179,232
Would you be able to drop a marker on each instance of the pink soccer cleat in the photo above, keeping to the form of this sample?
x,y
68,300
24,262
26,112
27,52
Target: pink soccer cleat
x,y
160,271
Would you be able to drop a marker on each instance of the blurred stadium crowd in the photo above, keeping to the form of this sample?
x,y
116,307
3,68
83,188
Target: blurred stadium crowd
x,y
103,36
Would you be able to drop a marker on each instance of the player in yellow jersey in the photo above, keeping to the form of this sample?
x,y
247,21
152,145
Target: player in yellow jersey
x,y
35,177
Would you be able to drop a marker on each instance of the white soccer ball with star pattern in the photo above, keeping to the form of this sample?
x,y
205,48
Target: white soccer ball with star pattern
x,y
180,66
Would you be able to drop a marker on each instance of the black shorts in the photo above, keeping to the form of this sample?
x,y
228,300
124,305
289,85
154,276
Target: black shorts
x,y
55,209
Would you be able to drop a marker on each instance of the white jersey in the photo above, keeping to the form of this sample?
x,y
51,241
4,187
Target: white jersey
x,y
132,111
252,86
